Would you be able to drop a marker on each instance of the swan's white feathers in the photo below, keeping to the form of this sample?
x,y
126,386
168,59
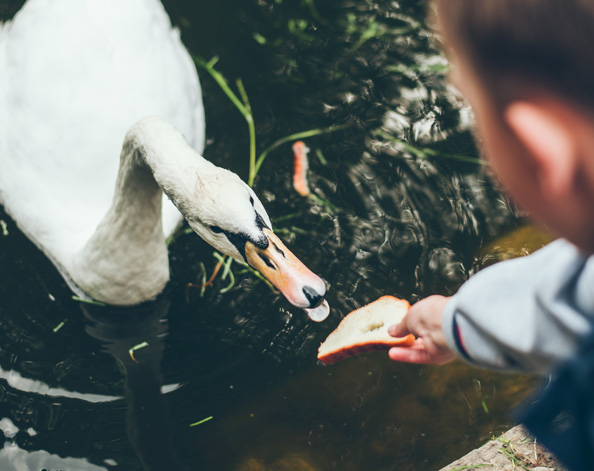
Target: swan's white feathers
x,y
224,192
75,75
187,178
126,259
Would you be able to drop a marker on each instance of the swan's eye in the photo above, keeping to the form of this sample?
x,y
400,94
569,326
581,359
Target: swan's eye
x,y
252,200
216,229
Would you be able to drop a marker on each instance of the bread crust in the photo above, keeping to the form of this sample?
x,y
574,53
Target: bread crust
x,y
365,342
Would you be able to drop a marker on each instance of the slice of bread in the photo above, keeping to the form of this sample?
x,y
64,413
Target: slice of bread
x,y
366,329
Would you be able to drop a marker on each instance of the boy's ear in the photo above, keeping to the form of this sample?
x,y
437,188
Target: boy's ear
x,y
550,142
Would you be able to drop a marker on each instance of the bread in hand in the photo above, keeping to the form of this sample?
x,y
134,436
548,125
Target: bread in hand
x,y
366,329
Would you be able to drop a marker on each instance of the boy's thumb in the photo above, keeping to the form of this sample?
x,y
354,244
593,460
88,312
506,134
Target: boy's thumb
x,y
398,330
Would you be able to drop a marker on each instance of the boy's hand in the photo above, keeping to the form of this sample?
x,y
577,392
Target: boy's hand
x,y
424,321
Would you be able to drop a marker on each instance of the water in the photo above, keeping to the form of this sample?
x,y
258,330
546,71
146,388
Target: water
x,y
395,214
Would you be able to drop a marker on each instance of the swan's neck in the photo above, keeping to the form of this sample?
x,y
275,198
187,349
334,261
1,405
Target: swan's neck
x,y
126,261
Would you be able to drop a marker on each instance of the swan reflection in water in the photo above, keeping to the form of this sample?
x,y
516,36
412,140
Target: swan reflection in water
x,y
148,424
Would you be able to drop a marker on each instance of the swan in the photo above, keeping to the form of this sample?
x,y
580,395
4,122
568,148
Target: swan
x,y
83,81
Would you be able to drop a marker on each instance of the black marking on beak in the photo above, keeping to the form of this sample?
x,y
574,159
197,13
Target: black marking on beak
x,y
260,222
239,240
314,298
267,261
279,250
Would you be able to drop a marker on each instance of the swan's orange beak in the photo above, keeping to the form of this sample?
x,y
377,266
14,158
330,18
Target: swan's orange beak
x,y
289,275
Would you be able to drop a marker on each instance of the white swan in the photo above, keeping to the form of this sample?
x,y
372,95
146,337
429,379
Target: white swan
x,y
75,77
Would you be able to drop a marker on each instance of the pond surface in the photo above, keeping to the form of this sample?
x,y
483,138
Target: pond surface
x,y
229,379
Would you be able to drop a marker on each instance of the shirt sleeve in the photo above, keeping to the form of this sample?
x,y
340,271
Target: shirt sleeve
x,y
525,314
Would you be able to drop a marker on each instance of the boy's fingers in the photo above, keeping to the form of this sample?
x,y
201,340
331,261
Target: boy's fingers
x,y
419,354
399,330
396,329
412,354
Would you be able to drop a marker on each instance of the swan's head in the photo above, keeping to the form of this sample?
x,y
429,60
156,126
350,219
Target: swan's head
x,y
229,216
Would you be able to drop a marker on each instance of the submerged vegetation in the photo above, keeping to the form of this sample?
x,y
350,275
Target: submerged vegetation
x,y
365,84
255,163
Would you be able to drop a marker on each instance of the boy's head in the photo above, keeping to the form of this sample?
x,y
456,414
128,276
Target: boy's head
x,y
527,69
515,45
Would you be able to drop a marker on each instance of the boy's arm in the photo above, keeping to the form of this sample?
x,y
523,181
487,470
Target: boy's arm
x,y
524,314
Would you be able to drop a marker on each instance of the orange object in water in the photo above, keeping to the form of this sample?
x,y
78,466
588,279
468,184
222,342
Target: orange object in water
x,y
300,168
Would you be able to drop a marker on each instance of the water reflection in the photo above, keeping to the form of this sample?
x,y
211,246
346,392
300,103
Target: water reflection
x,y
14,458
148,422
28,385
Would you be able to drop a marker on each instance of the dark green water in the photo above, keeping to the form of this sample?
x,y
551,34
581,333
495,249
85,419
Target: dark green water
x,y
397,223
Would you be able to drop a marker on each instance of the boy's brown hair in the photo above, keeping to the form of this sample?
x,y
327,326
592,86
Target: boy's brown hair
x,y
518,46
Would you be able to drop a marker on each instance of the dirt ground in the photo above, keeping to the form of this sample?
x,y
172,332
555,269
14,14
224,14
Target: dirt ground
x,y
514,450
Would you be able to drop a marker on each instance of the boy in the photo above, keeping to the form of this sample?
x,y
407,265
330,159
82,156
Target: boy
x,y
527,69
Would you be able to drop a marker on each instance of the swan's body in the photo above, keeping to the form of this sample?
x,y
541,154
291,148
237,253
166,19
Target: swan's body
x,y
75,75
